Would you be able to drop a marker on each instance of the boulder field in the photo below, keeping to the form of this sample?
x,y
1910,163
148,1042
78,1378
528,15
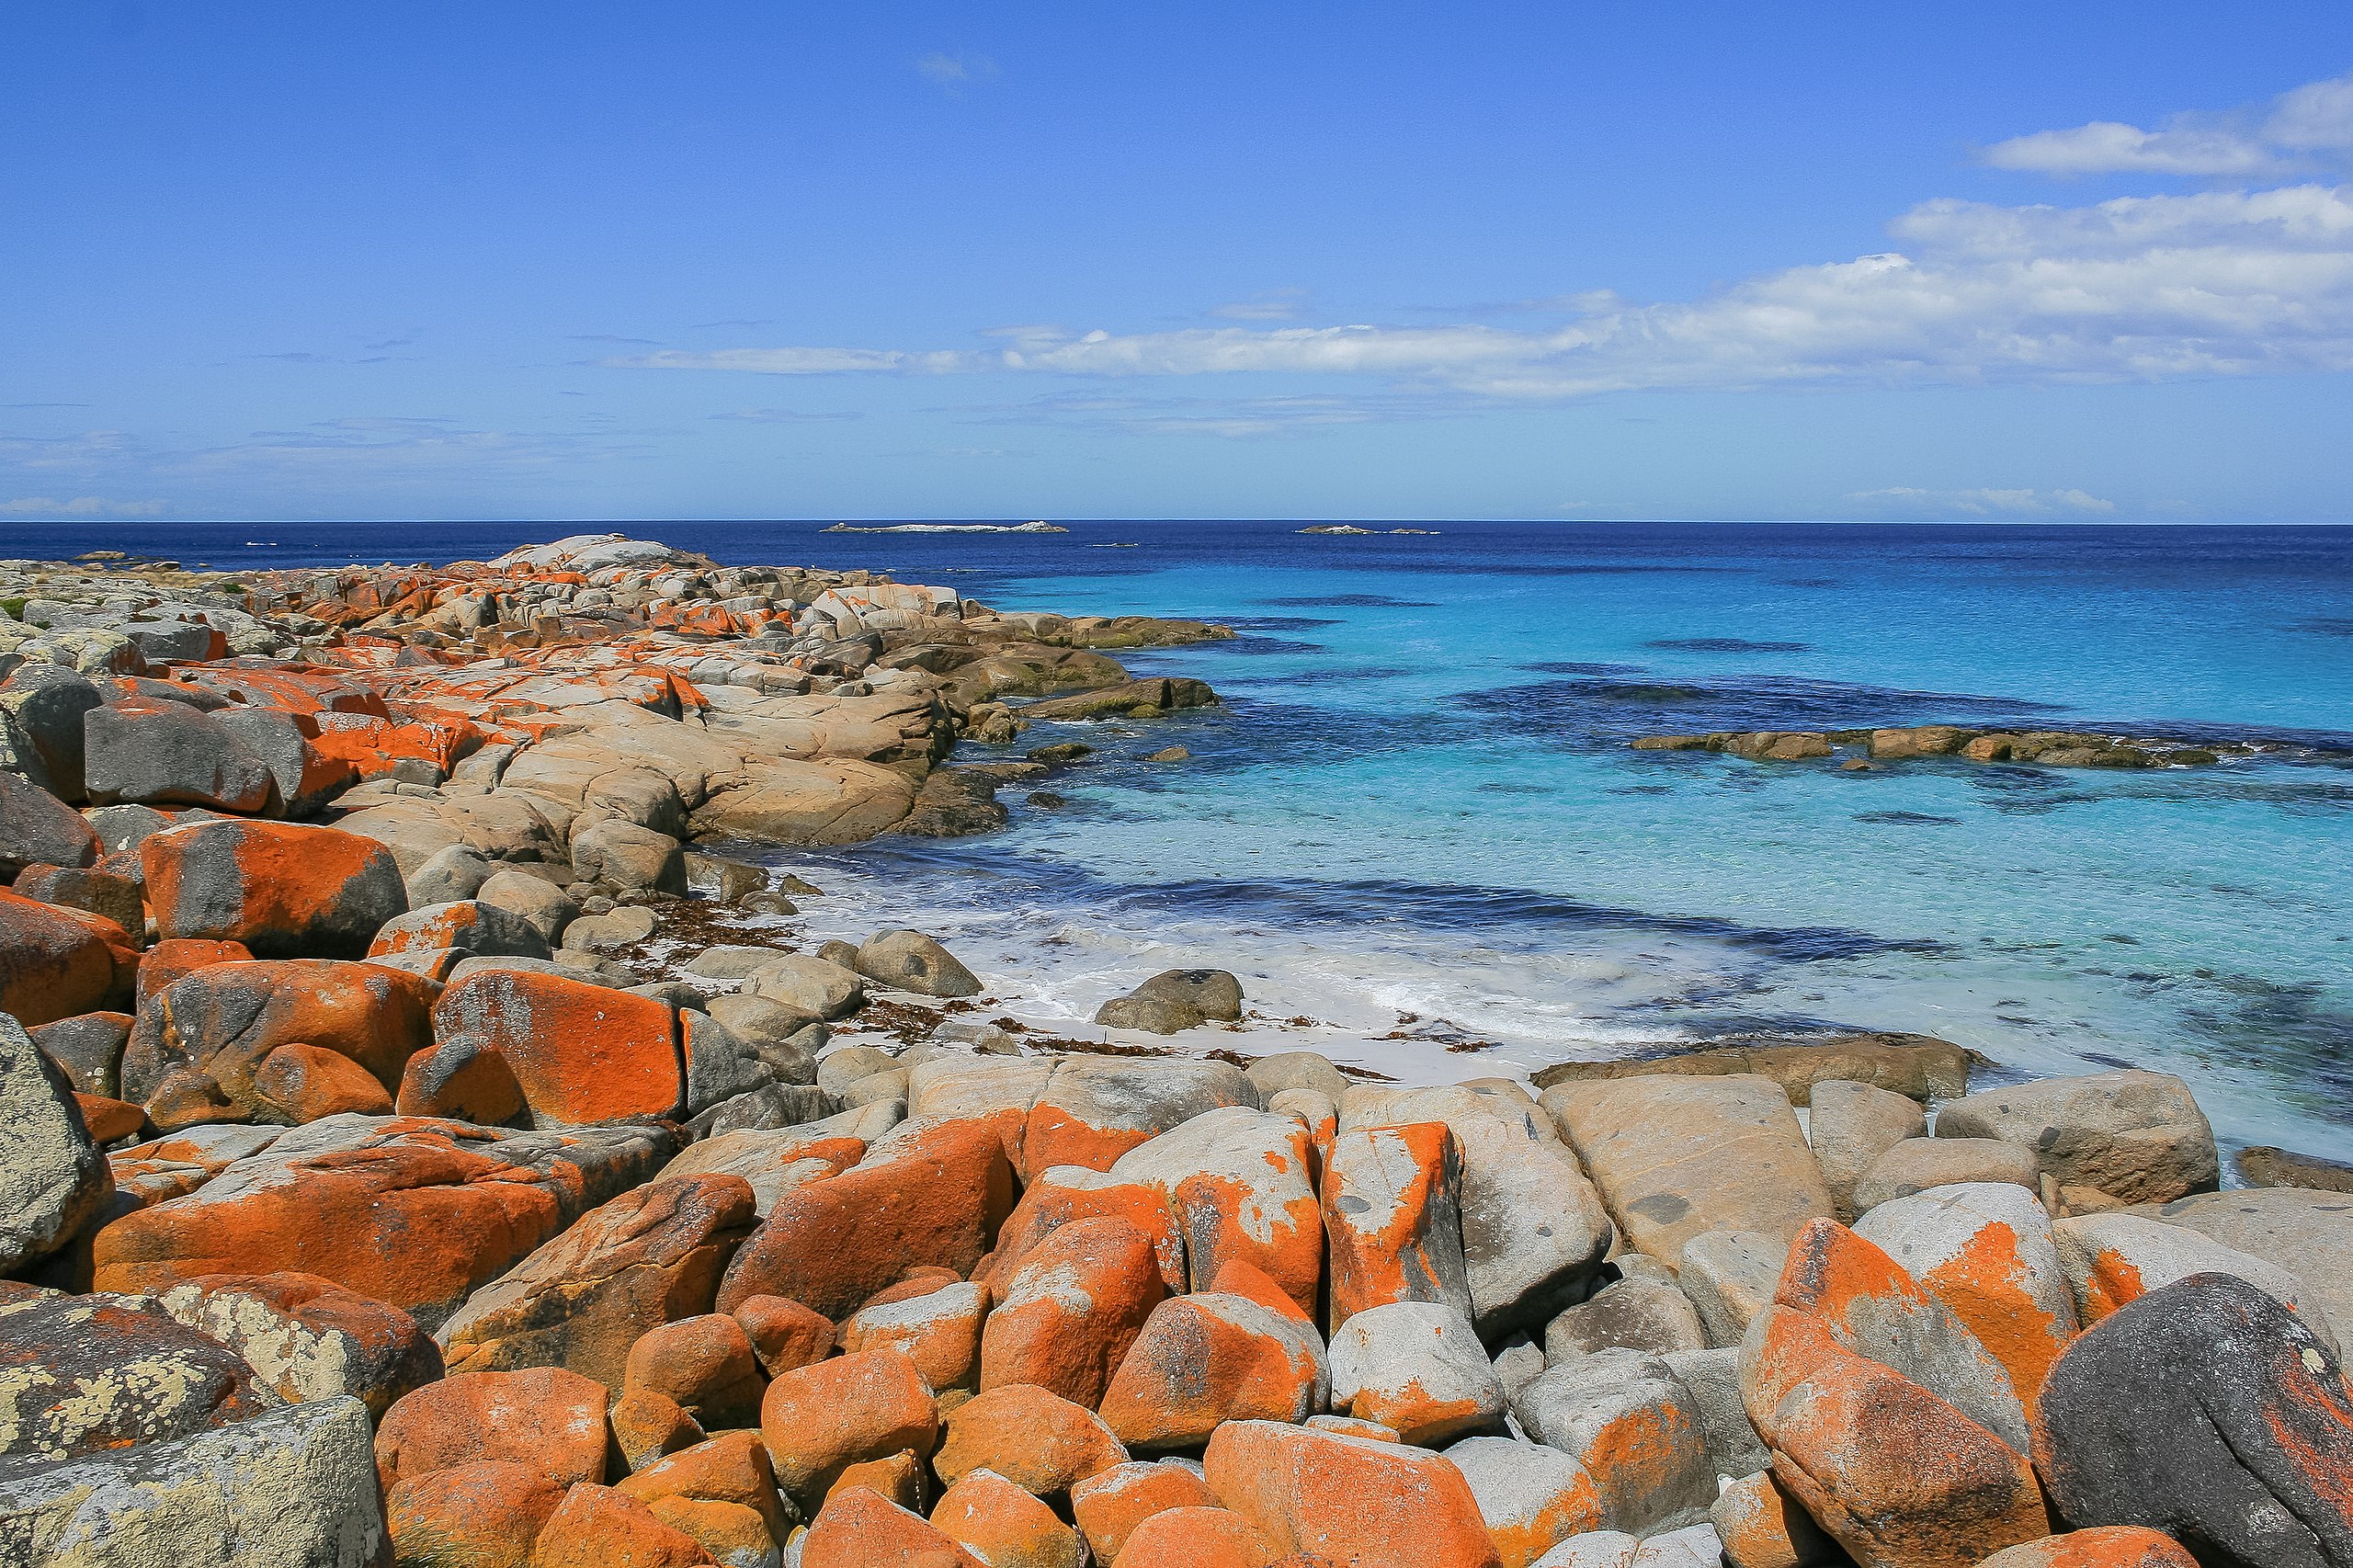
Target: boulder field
x,y
365,1200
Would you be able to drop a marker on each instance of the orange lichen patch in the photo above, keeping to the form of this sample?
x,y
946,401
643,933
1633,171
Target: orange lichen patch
x,y
832,1244
1109,1506
818,1420
1390,1197
110,1120
1889,1471
1004,1526
706,1364
939,1331
228,1017
861,1529
1636,1458
647,1424
2108,1546
276,886
373,745
1039,1441
547,1418
1988,1288
170,959
1072,1309
486,1513
731,1467
784,1333
1053,1135
415,1220
2114,1279
1207,1359
1360,1505
581,1053
900,1477
597,1526
56,963
1197,1538
298,1083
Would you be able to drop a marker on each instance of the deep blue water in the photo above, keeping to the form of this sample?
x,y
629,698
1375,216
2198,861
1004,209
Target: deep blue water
x,y
1417,798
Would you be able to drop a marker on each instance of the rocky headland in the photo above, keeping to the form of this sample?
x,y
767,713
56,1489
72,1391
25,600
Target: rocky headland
x,y
422,1142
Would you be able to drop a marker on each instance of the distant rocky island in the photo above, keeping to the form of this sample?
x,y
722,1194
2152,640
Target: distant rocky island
x,y
429,1137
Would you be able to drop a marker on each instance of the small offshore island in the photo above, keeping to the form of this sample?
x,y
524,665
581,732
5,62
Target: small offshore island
x,y
432,1138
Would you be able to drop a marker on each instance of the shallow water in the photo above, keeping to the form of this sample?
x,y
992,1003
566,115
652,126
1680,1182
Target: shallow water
x,y
1417,798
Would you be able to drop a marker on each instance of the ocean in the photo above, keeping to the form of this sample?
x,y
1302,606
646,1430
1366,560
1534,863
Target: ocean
x,y
1416,831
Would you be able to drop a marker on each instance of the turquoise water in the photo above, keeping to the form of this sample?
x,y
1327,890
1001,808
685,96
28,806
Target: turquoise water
x,y
1419,798
1415,815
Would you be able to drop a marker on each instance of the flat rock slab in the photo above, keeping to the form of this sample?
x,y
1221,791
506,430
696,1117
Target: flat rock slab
x,y
1918,1066
1676,1157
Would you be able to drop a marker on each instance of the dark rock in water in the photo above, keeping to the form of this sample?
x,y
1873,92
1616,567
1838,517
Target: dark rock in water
x,y
1153,1014
1046,799
1142,699
2262,1165
2209,1411
1211,993
1066,751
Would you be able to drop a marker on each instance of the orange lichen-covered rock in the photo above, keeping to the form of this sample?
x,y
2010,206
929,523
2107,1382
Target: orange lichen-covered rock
x,y
1056,1196
1532,1496
2111,1546
646,1258
707,1363
56,963
647,1426
1095,1110
580,1053
1762,1526
298,1083
1986,1250
1238,1183
416,1213
225,1020
1391,1211
818,1420
596,1527
485,1515
1004,1526
108,1120
784,1333
934,1197
1895,1474
374,745
1072,1309
281,889
1210,1358
1039,1441
1360,1505
860,1527
937,1329
547,1419
1875,1308
731,1467
1109,1505
900,1477
729,1532
174,957
1197,1538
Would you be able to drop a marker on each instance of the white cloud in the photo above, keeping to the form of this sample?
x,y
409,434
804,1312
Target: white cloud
x,y
79,506
954,70
2314,119
2217,283
1910,501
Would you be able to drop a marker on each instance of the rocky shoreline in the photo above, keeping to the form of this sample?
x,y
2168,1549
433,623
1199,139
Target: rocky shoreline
x,y
421,1146
1862,749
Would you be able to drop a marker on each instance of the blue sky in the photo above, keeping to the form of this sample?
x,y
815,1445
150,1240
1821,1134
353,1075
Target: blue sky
x,y
714,260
